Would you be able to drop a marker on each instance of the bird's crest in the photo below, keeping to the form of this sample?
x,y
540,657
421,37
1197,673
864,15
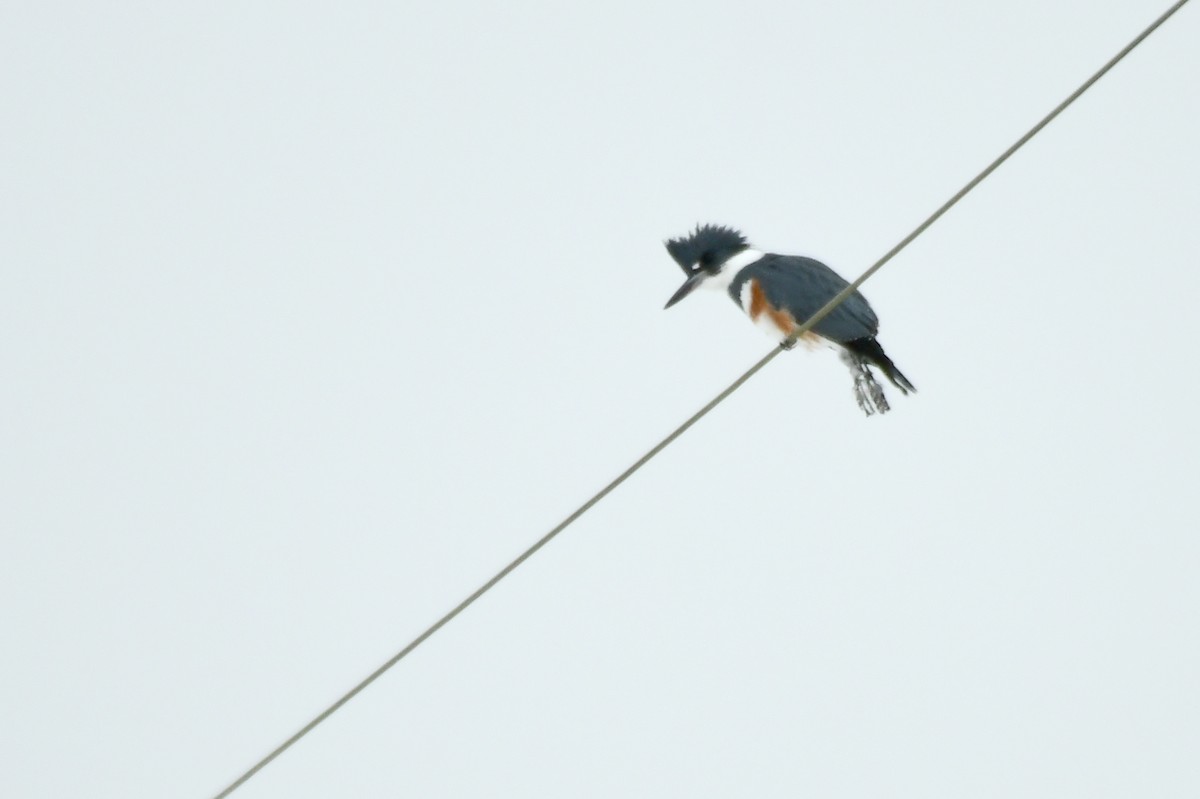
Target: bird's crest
x,y
707,243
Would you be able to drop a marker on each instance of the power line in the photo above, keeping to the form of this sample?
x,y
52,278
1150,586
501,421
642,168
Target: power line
x,y
698,415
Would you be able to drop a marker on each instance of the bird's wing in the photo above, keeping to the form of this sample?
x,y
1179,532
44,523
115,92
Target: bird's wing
x,y
802,286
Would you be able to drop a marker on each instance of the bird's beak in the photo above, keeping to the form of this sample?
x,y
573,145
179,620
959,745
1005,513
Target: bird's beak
x,y
687,288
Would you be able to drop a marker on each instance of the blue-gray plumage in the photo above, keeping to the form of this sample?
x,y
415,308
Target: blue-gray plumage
x,y
802,286
780,292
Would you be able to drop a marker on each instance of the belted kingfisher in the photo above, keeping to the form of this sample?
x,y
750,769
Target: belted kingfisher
x,y
780,292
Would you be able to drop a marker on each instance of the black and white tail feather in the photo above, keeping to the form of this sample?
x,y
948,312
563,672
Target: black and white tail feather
x,y
860,355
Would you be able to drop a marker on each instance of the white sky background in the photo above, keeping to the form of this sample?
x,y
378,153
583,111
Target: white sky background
x,y
313,316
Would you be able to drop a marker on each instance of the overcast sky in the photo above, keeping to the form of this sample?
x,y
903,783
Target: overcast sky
x,y
314,315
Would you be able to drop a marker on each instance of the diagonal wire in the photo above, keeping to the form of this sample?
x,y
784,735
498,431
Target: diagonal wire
x,y
698,415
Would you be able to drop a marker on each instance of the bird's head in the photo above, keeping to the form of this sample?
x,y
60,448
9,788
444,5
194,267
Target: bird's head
x,y
702,254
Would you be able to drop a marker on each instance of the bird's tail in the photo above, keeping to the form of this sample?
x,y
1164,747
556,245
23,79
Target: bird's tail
x,y
868,349
861,354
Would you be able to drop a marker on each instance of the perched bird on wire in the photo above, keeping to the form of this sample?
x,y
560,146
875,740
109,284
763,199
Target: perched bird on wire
x,y
780,292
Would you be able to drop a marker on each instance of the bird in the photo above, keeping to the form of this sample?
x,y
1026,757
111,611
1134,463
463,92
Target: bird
x,y
779,293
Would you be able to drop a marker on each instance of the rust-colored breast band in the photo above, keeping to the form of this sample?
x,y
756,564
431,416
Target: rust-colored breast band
x,y
759,305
